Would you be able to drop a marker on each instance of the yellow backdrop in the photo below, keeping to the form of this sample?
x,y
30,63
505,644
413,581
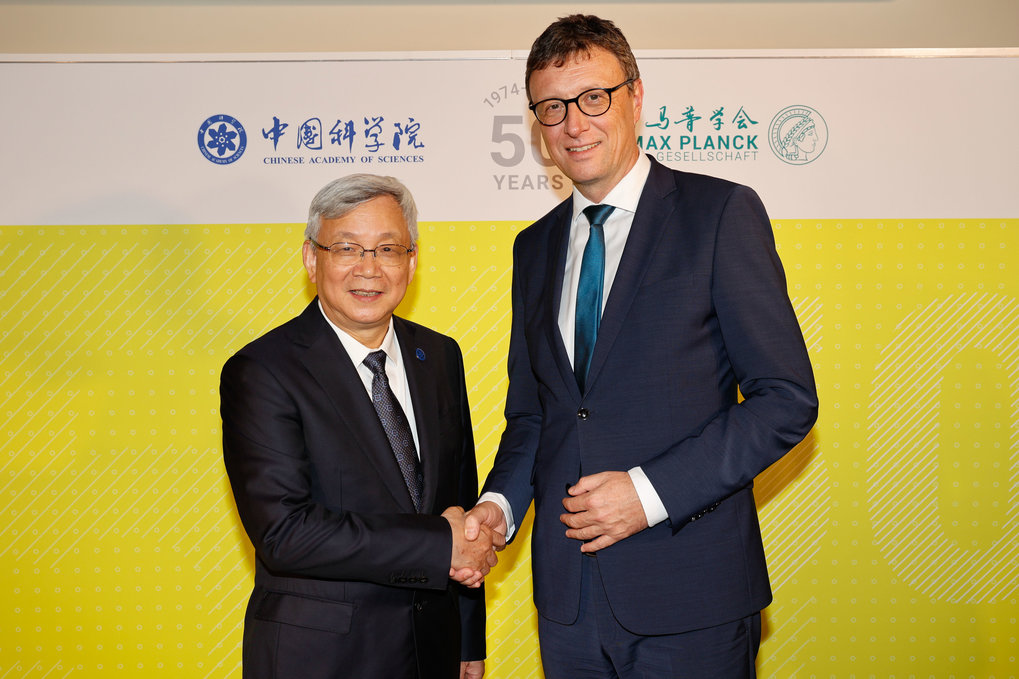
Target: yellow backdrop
x,y
891,531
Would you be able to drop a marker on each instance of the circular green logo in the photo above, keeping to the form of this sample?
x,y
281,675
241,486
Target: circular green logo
x,y
798,135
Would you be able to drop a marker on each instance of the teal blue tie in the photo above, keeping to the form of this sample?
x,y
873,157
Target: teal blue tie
x,y
589,293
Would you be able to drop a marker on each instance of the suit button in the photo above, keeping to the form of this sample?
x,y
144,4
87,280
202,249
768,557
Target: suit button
x,y
583,414
418,606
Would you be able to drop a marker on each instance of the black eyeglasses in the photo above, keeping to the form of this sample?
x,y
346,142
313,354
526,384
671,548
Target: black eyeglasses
x,y
348,254
593,103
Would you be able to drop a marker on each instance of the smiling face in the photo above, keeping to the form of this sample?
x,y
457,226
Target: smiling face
x,y
361,298
595,152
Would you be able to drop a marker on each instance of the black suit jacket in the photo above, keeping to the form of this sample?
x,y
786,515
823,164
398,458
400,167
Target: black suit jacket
x,y
349,580
698,308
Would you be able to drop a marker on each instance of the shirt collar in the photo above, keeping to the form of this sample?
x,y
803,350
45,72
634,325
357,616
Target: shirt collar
x,y
625,195
358,351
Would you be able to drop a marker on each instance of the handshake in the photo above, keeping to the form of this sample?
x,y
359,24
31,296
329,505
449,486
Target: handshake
x,y
477,536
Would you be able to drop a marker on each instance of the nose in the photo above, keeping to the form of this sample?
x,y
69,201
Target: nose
x,y
367,265
576,120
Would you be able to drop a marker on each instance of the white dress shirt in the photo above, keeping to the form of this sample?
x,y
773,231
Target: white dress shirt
x,y
624,198
394,369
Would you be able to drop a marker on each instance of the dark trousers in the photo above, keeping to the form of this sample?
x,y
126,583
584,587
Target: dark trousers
x,y
596,646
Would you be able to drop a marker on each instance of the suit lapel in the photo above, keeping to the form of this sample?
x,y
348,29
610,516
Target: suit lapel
x,y
654,212
330,365
421,383
558,242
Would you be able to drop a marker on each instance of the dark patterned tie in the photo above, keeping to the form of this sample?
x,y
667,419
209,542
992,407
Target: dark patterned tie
x,y
589,293
394,421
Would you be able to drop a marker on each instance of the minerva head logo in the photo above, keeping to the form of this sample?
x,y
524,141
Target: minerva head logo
x,y
798,135
222,139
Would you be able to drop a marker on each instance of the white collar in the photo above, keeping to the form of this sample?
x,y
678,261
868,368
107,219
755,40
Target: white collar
x,y
358,351
625,195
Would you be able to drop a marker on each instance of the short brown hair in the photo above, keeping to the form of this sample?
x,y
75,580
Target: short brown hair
x,y
575,34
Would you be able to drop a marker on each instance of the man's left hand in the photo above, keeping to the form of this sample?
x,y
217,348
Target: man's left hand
x,y
472,669
603,509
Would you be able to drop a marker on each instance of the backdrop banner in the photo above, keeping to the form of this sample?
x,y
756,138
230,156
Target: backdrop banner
x,y
151,225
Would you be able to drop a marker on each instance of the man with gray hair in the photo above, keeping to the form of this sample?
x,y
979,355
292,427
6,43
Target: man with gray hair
x,y
346,431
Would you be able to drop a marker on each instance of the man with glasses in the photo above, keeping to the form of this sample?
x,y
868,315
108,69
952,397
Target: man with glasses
x,y
346,431
641,304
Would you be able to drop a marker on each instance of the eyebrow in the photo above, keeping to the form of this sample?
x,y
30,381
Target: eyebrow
x,y
348,236
579,92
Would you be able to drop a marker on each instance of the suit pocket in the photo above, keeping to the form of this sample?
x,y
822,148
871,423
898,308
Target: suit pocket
x,y
672,282
308,612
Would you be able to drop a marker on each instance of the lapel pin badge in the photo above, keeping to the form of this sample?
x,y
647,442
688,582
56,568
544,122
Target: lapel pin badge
x,y
420,353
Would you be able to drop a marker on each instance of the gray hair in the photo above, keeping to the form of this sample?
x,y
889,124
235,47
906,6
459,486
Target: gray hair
x,y
342,195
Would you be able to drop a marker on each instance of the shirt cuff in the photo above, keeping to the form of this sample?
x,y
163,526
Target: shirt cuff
x,y
503,504
654,510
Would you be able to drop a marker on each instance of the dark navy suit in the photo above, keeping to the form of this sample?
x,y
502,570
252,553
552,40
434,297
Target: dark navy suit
x,y
697,311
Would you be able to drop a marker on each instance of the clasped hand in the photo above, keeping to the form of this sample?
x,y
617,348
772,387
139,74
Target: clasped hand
x,y
473,557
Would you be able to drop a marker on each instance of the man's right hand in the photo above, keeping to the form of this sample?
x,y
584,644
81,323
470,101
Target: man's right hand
x,y
488,515
472,559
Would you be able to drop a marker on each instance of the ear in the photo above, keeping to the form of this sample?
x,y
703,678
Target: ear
x,y
413,264
310,259
638,99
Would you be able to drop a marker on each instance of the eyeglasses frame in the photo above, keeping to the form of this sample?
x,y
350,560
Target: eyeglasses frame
x,y
409,250
576,101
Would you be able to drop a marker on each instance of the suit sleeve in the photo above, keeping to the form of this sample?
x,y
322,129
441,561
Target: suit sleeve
x,y
765,348
511,473
472,601
265,453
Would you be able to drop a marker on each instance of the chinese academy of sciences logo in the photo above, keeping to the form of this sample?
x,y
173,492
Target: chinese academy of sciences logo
x,y
798,135
222,139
